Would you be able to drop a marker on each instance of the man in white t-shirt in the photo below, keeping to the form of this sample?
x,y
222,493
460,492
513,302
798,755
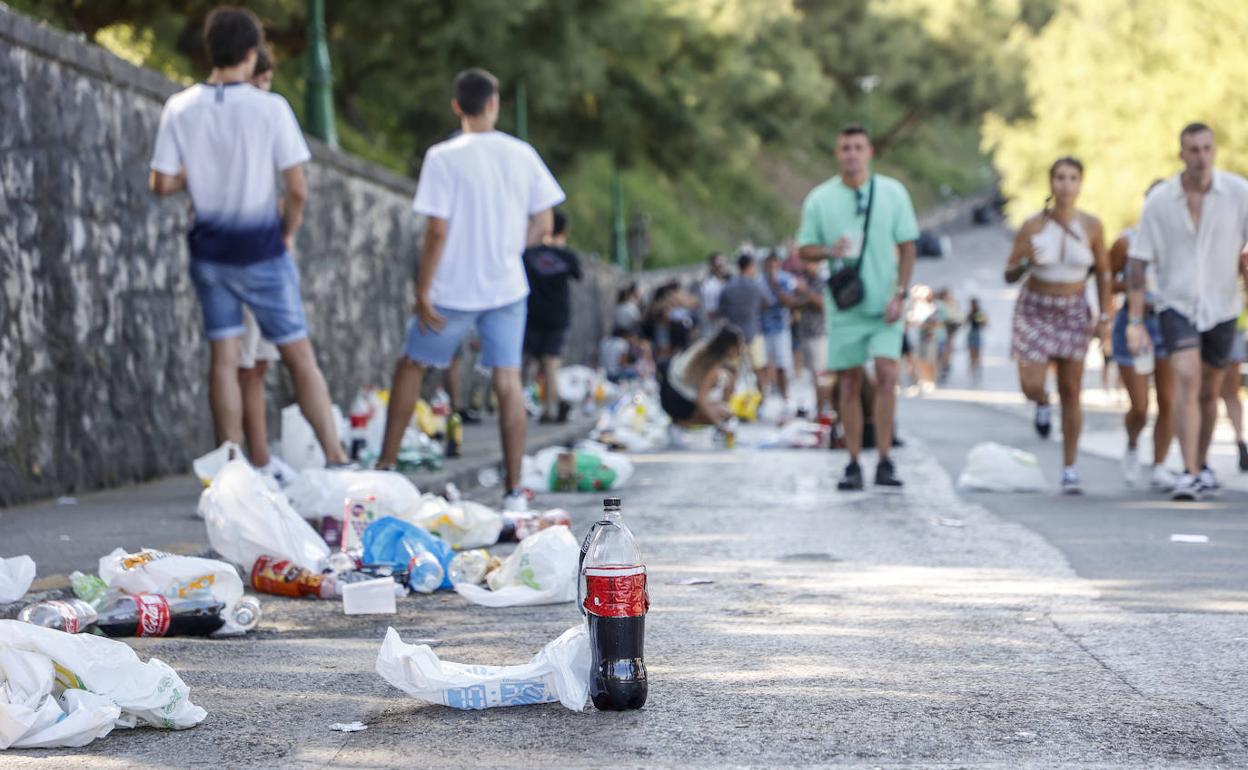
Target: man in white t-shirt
x,y
1193,231
485,196
222,141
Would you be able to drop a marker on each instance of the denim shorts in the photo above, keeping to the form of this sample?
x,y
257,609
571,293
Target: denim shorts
x,y
501,330
1118,338
1216,345
269,288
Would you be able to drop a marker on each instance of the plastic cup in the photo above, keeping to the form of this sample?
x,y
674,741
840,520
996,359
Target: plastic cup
x,y
369,597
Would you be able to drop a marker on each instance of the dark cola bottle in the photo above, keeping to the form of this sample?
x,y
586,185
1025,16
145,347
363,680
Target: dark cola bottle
x,y
613,587
199,614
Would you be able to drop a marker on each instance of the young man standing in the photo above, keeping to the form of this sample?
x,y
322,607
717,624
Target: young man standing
x,y
774,323
741,304
549,266
222,141
710,288
833,227
1193,230
486,195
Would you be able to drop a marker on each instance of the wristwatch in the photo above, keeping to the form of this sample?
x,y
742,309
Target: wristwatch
x,y
1104,318
1135,321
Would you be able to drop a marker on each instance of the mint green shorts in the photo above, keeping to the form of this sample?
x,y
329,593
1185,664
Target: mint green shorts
x,y
854,339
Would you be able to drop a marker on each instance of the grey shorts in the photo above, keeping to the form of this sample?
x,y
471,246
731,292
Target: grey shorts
x,y
1216,344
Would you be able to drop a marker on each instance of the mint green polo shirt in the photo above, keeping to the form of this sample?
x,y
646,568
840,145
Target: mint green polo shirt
x,y
831,210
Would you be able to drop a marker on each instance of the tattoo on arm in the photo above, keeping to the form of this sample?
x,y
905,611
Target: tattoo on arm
x,y
1135,275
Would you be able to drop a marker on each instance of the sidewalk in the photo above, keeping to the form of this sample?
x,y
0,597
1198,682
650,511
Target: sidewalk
x,y
161,514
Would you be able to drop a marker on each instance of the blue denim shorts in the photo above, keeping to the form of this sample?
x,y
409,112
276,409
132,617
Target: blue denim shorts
x,y
501,330
270,288
1118,338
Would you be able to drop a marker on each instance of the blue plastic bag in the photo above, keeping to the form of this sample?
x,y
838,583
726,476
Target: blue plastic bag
x,y
394,541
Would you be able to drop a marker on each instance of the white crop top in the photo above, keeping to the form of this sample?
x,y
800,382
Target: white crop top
x,y
1062,254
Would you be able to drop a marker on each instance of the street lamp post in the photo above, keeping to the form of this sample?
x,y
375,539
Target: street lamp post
x,y
319,100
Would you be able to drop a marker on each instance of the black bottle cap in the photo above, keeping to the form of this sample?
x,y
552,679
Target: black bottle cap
x,y
611,502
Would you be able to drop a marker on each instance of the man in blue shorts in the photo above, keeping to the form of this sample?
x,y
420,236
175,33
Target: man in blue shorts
x,y
486,196
222,141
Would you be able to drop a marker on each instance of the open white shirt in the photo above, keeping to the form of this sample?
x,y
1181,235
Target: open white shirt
x,y
486,185
1197,267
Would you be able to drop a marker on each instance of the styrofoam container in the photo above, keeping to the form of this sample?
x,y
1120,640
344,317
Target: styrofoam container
x,y
370,597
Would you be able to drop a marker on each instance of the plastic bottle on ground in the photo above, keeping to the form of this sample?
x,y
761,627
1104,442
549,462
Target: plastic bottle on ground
x,y
424,572
155,615
246,613
282,578
469,567
615,601
69,615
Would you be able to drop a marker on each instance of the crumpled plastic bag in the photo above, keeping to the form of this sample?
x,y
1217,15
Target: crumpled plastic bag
x,y
560,672
16,575
246,520
463,524
105,686
992,467
542,570
320,492
175,576
387,540
206,466
576,383
595,469
300,447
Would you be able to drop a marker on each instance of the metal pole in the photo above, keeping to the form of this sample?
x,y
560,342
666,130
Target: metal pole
x,y
522,111
319,99
619,236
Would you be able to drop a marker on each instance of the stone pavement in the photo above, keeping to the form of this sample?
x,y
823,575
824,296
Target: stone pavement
x,y
858,630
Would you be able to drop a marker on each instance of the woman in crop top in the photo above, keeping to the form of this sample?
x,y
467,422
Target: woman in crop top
x,y
1057,249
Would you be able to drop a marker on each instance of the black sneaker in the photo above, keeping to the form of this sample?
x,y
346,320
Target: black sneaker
x,y
1044,420
886,474
1243,456
852,480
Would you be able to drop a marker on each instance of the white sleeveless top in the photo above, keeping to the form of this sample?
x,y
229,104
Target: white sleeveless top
x,y
1062,254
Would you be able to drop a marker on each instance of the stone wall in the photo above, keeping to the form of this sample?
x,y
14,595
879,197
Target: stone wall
x,y
102,359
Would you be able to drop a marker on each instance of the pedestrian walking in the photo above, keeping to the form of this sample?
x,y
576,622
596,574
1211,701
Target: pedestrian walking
x,y
224,141
866,222
1193,230
550,266
1137,382
976,322
774,324
741,304
1056,250
485,196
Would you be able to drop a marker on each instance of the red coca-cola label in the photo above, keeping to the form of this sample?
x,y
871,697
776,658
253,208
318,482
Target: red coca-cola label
x,y
616,592
153,614
69,619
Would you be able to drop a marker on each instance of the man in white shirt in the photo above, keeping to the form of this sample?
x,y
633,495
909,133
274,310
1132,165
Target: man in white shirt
x,y
1193,230
712,285
485,196
222,141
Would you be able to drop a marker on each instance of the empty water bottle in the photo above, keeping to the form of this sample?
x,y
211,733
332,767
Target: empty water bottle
x,y
469,567
246,613
424,572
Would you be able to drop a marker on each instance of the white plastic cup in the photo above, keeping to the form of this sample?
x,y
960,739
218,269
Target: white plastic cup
x,y
1144,361
369,597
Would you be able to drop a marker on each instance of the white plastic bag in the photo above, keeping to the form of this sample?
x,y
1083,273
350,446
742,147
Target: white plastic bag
x,y
247,520
16,575
206,466
576,383
560,672
320,492
175,576
464,524
542,570
535,473
300,447
992,467
105,686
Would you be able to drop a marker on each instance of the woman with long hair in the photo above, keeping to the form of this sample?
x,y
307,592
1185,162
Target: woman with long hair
x,y
1056,250
695,387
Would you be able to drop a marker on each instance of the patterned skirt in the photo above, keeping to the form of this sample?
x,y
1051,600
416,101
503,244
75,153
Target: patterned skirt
x,y
1048,327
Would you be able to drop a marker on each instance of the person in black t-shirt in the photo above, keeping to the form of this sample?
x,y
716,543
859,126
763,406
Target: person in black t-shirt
x,y
549,267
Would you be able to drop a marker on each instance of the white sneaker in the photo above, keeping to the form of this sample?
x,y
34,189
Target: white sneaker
x,y
1163,478
516,501
1208,481
1131,467
1070,482
1186,488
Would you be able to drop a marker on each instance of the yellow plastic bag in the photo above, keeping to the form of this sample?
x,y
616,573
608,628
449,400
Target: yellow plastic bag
x,y
745,403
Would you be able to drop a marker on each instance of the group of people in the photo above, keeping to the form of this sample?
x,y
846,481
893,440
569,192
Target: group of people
x,y
1182,325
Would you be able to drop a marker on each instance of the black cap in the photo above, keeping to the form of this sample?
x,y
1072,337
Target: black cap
x,y
611,502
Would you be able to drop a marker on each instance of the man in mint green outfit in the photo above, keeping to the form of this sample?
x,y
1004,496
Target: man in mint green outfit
x,y
833,224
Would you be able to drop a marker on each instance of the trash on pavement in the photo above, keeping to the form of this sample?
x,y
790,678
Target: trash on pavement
x,y
399,543
744,404
348,727
284,578
463,524
369,597
103,685
471,567
175,577
517,525
634,422
69,615
206,466
560,672
320,492
247,520
1181,538
992,467
299,445
542,570
67,500
90,588
945,521
583,470
800,434
16,575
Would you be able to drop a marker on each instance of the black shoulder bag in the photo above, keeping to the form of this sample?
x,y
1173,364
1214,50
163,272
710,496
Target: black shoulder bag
x,y
845,285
